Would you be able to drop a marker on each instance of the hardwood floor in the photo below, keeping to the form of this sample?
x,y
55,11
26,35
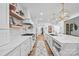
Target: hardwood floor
x,y
50,53
41,38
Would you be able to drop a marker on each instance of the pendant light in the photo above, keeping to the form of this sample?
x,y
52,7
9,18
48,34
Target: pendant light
x,y
63,13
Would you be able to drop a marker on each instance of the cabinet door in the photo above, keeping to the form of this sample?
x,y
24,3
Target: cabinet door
x,y
50,41
15,52
25,47
47,39
31,42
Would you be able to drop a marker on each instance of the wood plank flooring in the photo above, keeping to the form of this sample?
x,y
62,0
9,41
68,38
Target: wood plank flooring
x,y
41,38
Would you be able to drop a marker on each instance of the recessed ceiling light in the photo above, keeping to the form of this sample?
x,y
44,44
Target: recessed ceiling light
x,y
41,13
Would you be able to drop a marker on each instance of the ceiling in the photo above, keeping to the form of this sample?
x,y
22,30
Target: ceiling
x,y
45,12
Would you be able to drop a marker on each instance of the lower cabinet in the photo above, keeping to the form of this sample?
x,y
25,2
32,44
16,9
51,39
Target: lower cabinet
x,y
14,52
49,41
26,47
23,49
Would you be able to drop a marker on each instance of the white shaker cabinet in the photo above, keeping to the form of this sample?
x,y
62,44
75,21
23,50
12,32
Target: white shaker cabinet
x,y
31,42
26,46
25,49
49,41
15,52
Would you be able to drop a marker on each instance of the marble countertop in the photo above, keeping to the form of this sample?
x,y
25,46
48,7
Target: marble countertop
x,y
69,45
15,39
62,38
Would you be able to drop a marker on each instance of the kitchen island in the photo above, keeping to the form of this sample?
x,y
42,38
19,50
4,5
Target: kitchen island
x,y
63,45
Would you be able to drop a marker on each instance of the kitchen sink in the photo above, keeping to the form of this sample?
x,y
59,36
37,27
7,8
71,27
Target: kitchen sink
x,y
27,34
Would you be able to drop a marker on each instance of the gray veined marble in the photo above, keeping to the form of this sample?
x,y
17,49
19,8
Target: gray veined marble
x,y
65,45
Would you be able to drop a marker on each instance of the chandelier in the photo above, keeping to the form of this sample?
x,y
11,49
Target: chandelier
x,y
63,13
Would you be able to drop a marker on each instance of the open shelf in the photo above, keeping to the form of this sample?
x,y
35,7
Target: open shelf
x,y
14,14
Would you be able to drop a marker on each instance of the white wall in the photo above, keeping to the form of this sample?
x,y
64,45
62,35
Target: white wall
x,y
4,15
4,24
59,27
